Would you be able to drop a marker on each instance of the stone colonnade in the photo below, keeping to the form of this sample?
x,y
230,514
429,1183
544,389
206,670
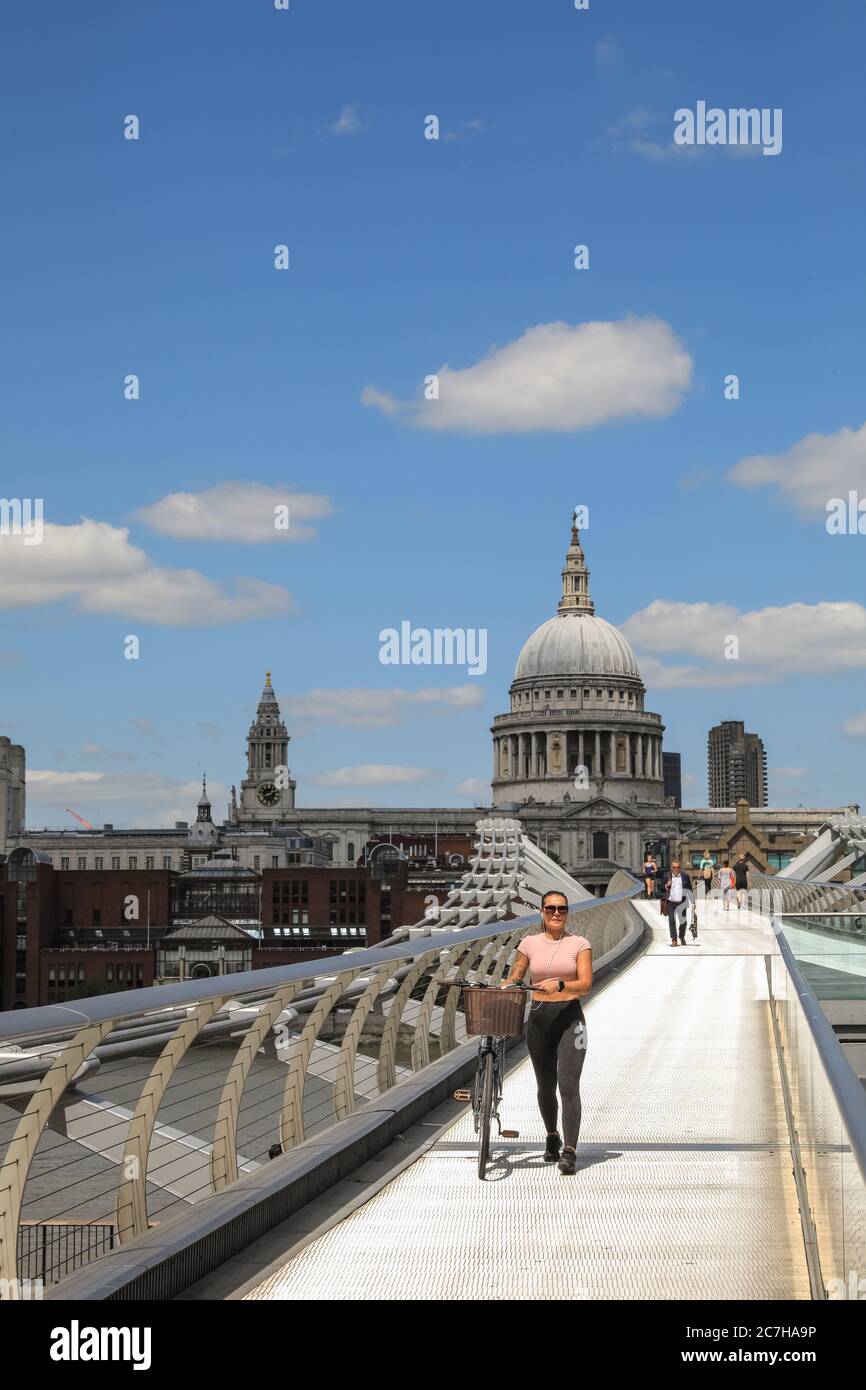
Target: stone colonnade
x,y
542,753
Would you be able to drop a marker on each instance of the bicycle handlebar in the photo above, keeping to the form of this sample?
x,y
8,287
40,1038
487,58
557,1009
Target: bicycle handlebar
x,y
480,984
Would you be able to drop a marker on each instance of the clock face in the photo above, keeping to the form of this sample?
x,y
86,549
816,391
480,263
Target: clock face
x,y
268,794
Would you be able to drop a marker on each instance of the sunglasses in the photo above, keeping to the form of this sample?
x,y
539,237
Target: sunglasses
x,y
555,911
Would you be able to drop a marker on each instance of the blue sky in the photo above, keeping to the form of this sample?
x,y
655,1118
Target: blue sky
x,y
410,257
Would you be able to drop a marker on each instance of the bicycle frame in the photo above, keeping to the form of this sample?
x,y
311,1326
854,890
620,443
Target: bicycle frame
x,y
486,1092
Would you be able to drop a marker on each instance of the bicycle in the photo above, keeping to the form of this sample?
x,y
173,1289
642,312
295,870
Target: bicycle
x,y
493,1014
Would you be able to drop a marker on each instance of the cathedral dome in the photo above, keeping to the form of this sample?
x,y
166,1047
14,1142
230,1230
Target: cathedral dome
x,y
576,645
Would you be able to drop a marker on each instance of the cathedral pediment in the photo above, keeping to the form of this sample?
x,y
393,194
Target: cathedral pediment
x,y
595,807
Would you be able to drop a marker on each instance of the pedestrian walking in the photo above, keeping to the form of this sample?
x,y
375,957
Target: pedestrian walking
x,y
742,880
726,883
650,873
707,868
560,966
679,893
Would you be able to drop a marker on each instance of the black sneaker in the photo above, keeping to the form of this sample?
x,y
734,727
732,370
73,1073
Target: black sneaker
x,y
554,1144
568,1162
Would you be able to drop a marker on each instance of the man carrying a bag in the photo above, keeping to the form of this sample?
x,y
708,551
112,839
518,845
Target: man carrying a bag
x,y
678,892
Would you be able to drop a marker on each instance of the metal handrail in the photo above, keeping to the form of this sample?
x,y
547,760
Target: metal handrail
x,y
275,1021
847,1090
16,1024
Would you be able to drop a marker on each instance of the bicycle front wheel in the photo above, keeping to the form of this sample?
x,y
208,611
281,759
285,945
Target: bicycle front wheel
x,y
485,1113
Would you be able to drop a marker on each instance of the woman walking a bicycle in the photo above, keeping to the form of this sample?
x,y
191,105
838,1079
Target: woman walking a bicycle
x,y
561,973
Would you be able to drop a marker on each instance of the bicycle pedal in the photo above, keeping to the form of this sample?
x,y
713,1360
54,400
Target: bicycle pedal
x,y
510,1133
462,1095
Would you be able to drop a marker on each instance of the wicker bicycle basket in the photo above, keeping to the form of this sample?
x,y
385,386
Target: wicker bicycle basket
x,y
497,1011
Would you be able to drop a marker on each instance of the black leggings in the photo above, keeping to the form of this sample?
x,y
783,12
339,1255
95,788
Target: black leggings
x,y
556,1037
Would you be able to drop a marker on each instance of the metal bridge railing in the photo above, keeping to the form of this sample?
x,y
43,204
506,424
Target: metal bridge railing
x,y
126,1108
779,897
827,1114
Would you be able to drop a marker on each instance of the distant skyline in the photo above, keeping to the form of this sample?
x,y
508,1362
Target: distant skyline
x,y
311,388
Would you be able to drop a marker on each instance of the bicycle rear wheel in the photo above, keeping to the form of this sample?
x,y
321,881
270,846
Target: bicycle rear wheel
x,y
485,1112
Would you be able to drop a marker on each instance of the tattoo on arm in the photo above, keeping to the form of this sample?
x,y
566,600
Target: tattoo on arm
x,y
519,968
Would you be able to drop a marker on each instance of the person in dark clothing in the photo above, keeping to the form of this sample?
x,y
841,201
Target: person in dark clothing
x,y
650,873
679,891
742,880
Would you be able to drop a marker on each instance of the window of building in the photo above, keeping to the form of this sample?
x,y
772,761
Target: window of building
x,y
275,861
573,694
97,863
598,694
166,861
97,917
547,694
600,844
115,861
82,862
64,861
350,851
257,861
133,861
148,861
559,694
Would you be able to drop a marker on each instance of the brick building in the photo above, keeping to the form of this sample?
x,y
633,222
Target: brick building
x,y
70,932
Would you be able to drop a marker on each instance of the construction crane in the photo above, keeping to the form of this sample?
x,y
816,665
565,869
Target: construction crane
x,y
85,823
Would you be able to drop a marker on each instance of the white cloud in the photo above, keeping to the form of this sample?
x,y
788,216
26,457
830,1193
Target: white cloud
x,y
94,565
635,134
790,774
146,727
695,479
387,403
97,752
558,377
142,799
814,639
475,788
606,50
375,775
815,469
236,511
473,126
361,708
348,122
650,134
855,727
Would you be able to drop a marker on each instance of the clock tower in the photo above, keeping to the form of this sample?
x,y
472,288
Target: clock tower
x,y
267,791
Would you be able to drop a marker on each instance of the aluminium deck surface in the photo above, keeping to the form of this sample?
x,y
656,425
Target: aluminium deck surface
x,y
684,1187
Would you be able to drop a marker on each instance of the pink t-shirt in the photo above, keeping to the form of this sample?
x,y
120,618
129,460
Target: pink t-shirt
x,y
552,960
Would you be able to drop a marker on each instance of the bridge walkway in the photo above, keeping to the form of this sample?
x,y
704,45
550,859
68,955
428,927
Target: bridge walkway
x,y
684,1187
